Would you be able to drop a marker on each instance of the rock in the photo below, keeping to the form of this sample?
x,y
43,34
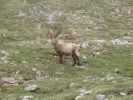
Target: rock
x,y
131,54
31,88
84,92
82,67
92,78
85,45
109,77
101,97
87,92
24,62
34,69
117,71
123,94
97,53
40,75
20,14
71,84
84,57
78,97
27,98
4,52
9,81
120,41
100,41
128,38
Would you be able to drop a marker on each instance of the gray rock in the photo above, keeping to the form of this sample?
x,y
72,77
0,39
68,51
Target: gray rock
x,y
101,97
31,88
85,45
84,92
117,71
110,78
123,94
9,81
84,57
27,98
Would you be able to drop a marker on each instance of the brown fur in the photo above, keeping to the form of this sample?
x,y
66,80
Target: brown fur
x,y
63,48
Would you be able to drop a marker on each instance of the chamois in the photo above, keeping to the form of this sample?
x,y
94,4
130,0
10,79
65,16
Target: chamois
x,y
63,48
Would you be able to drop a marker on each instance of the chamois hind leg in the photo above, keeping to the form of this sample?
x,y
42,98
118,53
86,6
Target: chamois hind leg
x,y
74,59
78,60
76,54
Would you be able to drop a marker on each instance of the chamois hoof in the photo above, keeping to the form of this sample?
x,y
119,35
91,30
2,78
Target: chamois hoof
x,y
79,64
61,62
73,64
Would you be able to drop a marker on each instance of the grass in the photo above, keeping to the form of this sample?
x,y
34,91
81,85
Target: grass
x,y
57,86
26,48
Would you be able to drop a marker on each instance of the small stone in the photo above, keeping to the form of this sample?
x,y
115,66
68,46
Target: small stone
x,y
31,88
82,67
24,62
34,69
101,97
27,98
110,78
56,79
85,80
84,92
84,57
97,53
117,71
71,84
17,72
85,45
123,94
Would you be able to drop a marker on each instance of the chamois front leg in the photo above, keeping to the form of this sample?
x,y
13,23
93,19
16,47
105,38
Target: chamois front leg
x,y
74,59
61,58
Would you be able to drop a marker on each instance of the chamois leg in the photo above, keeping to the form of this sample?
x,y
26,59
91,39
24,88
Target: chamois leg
x,y
76,54
61,58
77,60
74,59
